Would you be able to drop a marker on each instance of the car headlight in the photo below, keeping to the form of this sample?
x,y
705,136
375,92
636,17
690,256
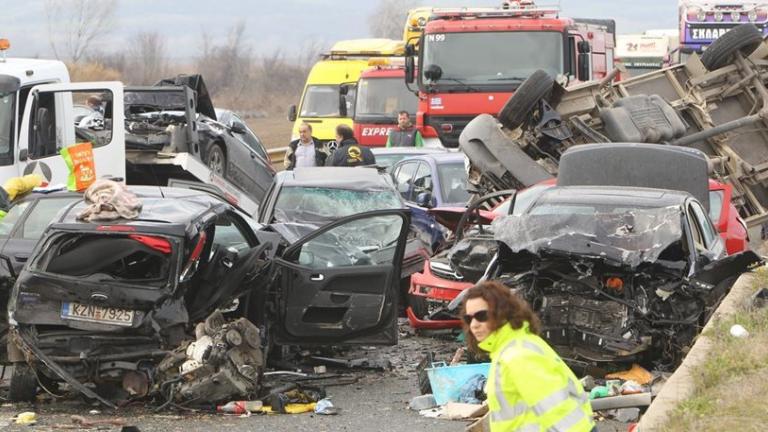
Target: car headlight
x,y
735,16
752,15
718,16
701,15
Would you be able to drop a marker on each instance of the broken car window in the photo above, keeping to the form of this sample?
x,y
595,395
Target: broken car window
x,y
134,258
368,241
317,204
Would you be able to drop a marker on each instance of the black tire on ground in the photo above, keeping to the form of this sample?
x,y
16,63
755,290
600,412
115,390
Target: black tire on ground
x,y
419,305
23,386
744,38
525,99
216,160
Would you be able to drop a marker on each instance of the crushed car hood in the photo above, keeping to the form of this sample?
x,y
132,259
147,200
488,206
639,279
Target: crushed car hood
x,y
626,239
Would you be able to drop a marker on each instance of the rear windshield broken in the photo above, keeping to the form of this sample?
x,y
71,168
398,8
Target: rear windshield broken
x,y
133,259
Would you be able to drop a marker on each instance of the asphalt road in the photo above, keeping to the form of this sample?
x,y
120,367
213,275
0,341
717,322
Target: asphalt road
x,y
376,401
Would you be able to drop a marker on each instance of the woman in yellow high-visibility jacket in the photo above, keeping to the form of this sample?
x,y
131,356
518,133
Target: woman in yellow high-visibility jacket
x,y
529,387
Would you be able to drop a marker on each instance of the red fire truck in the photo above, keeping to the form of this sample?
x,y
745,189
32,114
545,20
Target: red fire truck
x,y
381,94
471,60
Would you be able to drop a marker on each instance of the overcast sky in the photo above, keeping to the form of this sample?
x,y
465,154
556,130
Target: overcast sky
x,y
284,24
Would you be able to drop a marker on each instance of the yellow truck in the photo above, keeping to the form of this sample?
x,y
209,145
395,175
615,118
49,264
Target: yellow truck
x,y
329,93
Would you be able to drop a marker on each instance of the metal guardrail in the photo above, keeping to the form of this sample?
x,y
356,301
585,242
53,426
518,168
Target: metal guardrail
x,y
277,155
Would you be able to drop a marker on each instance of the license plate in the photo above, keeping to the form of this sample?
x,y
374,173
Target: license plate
x,y
96,314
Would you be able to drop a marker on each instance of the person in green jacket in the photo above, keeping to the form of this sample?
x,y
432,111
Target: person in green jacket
x,y
529,386
404,135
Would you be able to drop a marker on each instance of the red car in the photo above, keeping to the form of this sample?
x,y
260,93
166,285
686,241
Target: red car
x,y
439,282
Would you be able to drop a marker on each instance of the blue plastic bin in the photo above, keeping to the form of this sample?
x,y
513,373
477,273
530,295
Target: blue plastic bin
x,y
446,381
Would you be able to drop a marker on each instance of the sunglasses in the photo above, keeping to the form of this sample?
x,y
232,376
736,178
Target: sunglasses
x,y
480,316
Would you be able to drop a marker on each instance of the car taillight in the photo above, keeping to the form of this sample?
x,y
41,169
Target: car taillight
x,y
615,284
194,256
157,243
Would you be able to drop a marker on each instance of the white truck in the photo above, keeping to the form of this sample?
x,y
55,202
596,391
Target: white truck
x,y
41,113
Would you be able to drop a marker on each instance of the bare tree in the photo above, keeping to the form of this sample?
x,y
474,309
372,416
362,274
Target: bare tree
x,y
388,19
227,68
147,59
74,25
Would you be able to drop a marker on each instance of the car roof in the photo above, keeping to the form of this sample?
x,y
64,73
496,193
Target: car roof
x,y
439,158
165,205
630,196
337,177
407,150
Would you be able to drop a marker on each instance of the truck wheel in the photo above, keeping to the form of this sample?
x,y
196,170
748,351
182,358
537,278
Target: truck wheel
x,y
23,386
524,100
217,160
744,38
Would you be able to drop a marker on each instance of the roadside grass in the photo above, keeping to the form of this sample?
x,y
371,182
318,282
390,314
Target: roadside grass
x,y
730,388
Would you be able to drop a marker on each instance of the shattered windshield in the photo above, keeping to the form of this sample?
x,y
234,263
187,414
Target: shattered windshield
x,y
623,236
491,57
318,204
6,128
383,98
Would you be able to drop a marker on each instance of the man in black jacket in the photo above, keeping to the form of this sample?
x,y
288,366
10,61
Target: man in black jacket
x,y
349,153
307,151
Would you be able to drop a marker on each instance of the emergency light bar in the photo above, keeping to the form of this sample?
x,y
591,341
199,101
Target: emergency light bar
x,y
510,9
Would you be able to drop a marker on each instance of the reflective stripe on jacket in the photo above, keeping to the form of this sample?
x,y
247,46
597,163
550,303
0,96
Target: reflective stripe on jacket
x,y
530,388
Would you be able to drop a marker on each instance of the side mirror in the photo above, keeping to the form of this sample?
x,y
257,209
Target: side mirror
x,y
433,72
238,128
292,113
410,50
343,102
23,154
583,47
425,199
410,70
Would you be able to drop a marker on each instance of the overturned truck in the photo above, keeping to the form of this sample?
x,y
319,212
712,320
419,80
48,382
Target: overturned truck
x,y
717,103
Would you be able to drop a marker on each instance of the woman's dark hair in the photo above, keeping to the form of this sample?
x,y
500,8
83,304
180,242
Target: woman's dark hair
x,y
503,307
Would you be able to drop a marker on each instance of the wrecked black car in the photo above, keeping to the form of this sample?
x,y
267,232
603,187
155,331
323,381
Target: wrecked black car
x,y
617,273
186,300
177,116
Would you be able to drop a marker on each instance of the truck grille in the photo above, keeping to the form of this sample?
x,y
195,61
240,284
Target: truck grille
x,y
444,271
449,139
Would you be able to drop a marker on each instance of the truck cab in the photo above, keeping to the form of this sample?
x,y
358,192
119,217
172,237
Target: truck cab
x,y
381,95
328,99
17,78
471,60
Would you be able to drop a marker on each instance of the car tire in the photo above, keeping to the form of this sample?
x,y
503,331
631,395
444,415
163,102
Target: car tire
x,y
216,160
23,387
520,105
744,38
419,305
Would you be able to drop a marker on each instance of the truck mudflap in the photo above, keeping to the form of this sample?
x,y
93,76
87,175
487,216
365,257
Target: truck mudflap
x,y
721,111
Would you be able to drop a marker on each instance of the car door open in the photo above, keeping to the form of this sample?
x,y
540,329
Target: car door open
x,y
340,283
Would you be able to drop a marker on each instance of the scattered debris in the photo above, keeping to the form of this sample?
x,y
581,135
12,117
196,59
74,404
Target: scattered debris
x,y
738,331
325,407
26,418
626,415
447,381
624,401
637,374
84,422
240,407
423,402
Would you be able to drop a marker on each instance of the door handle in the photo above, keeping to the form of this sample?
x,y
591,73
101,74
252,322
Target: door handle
x,y
316,277
21,257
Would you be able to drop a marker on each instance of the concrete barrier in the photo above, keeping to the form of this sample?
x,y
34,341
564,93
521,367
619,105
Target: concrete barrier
x,y
680,385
